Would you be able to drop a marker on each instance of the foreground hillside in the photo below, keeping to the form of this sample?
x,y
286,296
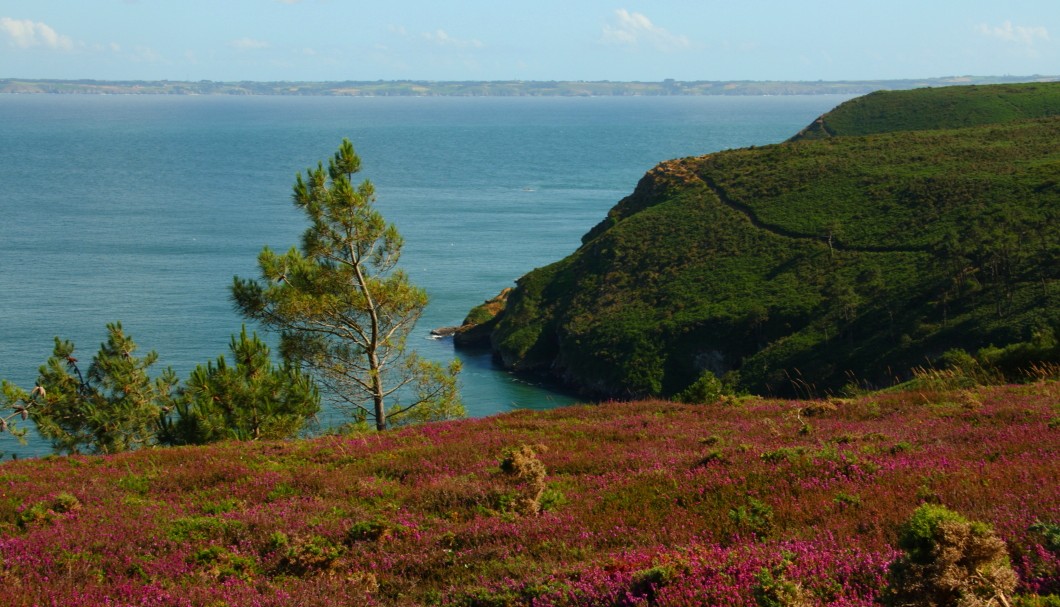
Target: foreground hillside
x,y
803,267
618,504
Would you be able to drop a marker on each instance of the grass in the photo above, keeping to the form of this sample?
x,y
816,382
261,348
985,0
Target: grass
x,y
649,502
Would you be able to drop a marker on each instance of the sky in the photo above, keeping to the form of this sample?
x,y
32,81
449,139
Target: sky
x,y
620,40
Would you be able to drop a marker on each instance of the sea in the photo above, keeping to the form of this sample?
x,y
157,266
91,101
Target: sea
x,y
141,209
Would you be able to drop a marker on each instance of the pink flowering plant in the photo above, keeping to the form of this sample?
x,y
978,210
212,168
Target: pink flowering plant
x,y
745,502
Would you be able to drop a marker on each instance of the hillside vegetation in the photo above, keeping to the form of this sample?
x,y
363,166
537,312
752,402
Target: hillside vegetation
x,y
740,503
935,108
817,264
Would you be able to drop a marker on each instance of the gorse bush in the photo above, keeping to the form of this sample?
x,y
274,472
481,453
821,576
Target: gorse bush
x,y
773,589
46,511
524,477
756,517
949,561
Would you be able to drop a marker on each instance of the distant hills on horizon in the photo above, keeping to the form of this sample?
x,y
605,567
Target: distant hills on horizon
x,y
505,88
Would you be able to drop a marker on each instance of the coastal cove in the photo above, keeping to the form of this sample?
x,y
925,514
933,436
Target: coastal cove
x,y
142,208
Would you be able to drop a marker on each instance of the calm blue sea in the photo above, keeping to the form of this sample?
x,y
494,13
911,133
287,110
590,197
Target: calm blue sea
x,y
142,208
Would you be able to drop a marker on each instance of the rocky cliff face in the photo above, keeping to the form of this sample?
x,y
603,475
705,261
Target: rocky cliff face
x,y
478,325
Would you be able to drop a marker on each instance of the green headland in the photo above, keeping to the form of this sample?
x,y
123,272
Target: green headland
x,y
899,231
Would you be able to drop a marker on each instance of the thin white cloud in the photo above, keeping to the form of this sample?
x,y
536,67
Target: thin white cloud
x,y
23,33
634,29
1018,34
248,44
441,38
145,54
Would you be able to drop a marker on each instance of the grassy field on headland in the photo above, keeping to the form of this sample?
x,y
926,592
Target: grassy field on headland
x,y
641,503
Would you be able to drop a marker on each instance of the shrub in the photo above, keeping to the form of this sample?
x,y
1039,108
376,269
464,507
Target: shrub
x,y
851,500
648,582
45,512
949,561
784,454
707,390
551,499
713,456
1051,535
756,517
307,555
372,531
524,477
773,589
224,565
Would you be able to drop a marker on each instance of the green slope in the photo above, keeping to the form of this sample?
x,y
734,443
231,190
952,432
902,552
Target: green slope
x,y
807,265
936,108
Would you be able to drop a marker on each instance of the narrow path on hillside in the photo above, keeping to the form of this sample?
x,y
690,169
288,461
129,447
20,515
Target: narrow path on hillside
x,y
831,242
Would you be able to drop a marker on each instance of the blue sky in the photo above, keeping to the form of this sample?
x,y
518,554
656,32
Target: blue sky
x,y
526,40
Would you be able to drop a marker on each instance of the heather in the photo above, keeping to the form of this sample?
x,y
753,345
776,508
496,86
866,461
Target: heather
x,y
746,501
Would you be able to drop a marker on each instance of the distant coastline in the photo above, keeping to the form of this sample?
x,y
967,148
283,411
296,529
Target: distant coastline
x,y
508,88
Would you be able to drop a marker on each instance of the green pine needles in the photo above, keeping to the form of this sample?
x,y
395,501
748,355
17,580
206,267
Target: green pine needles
x,y
250,399
117,406
114,407
342,307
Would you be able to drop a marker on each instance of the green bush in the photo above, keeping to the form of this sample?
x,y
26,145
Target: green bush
x,y
708,389
311,554
949,561
45,512
773,589
1050,534
756,517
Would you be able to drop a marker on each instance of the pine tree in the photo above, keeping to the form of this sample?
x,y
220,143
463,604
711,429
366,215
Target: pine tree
x,y
115,407
249,400
343,309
